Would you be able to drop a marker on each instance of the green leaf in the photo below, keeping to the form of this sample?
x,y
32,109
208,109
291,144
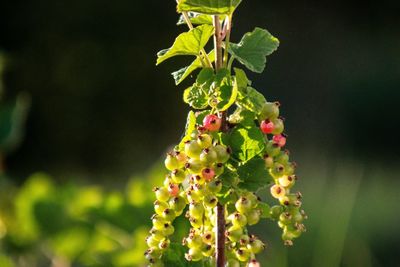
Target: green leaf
x,y
183,73
195,97
213,7
190,127
251,99
254,175
252,50
200,116
188,43
227,96
241,79
196,19
206,75
228,178
243,117
245,142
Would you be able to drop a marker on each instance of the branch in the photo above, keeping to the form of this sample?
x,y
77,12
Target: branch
x,y
220,209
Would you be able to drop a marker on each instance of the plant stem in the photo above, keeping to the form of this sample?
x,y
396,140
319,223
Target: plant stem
x,y
220,209
227,39
217,43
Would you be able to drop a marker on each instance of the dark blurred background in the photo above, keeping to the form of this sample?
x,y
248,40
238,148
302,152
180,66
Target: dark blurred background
x,y
100,109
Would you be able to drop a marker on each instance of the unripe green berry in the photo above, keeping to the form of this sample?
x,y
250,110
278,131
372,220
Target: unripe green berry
x,y
162,193
238,219
276,211
152,242
286,181
196,210
158,222
168,214
219,168
278,191
194,254
214,186
197,179
195,223
223,153
167,181
208,237
208,156
242,254
297,216
269,161
277,170
255,246
204,140
253,216
282,157
210,201
272,149
181,158
168,229
284,200
290,233
192,195
289,169
208,250
278,126
243,205
234,233
244,240
178,176
285,218
152,254
194,166
253,198
160,206
270,111
177,203
200,190
171,163
157,234
194,241
192,149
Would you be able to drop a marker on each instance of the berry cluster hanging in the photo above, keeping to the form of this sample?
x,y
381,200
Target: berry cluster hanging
x,y
233,147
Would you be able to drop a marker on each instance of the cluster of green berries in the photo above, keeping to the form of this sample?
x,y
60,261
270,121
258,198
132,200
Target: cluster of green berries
x,y
192,181
289,214
240,246
192,186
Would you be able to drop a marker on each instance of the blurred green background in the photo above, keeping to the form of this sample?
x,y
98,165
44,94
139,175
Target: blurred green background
x,y
76,183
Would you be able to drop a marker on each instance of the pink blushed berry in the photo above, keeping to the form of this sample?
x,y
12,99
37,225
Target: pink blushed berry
x,y
279,139
173,189
212,122
208,174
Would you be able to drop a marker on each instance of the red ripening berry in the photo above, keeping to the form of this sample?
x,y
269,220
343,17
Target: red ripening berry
x,y
267,126
173,189
279,139
212,122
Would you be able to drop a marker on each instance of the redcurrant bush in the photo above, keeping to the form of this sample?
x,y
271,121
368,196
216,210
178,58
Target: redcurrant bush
x,y
233,146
